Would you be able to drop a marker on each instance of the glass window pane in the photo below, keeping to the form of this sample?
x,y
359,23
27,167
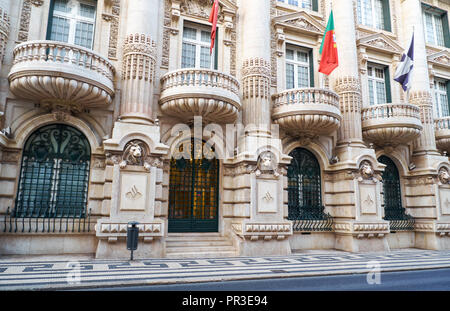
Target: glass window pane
x,y
379,18
444,105
307,4
61,6
205,57
367,13
381,93
60,29
439,30
189,33
289,54
84,34
302,77
188,56
87,10
289,76
206,36
293,2
429,28
302,57
371,93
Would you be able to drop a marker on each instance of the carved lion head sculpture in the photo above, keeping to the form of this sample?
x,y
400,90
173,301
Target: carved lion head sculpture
x,y
444,176
134,152
365,169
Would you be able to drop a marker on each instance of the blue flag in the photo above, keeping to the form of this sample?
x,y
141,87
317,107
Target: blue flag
x,y
405,67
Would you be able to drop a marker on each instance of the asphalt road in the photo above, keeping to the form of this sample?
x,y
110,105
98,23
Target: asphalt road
x,y
418,280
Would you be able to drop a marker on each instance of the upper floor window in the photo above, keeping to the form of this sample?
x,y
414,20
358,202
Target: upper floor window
x,y
305,4
374,13
72,21
196,45
379,87
441,98
436,28
299,71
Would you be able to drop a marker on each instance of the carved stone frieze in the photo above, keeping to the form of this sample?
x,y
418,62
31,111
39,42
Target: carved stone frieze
x,y
254,230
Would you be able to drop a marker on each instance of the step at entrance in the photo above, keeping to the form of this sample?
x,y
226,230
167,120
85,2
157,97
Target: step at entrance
x,y
198,245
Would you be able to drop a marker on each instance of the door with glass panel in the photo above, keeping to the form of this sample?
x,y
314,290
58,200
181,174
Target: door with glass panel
x,y
193,188
72,21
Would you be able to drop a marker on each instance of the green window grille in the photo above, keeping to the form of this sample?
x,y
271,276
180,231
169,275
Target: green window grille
x,y
304,193
393,209
54,174
193,189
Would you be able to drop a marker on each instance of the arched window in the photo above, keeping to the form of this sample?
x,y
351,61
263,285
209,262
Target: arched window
x,y
194,188
54,174
304,185
393,209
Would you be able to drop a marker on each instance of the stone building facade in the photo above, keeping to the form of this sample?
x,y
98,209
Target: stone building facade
x,y
115,111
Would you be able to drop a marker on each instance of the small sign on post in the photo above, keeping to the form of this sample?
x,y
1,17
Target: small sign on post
x,y
132,237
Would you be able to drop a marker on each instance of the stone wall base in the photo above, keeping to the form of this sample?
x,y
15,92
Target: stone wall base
x,y
118,250
263,247
312,241
46,244
401,239
350,243
431,241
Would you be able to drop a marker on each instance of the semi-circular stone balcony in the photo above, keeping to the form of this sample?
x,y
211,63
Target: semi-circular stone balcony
x,y
391,124
307,112
62,74
442,133
211,94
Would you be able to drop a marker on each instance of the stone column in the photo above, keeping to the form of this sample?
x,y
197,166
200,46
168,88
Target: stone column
x,y
256,70
254,212
4,27
420,93
427,191
345,77
355,178
139,61
134,153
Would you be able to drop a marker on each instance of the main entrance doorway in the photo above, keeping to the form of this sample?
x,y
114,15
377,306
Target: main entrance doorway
x,y
193,189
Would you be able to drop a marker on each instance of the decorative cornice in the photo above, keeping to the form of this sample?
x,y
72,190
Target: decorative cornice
x,y
299,21
380,42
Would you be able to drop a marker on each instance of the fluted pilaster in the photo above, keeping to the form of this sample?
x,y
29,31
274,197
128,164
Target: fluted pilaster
x,y
349,90
138,74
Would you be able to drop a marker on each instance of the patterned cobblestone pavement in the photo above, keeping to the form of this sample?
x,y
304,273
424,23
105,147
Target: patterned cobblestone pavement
x,y
37,273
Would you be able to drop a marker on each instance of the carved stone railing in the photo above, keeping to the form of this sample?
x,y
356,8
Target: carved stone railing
x,y
214,95
391,124
442,133
307,111
62,74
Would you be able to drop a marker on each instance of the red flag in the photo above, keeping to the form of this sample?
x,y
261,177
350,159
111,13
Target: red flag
x,y
328,49
213,19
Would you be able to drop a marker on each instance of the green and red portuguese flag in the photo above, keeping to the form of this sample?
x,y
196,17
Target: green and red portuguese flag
x,y
328,49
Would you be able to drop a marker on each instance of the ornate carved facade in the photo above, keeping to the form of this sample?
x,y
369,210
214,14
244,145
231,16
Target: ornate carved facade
x,y
246,140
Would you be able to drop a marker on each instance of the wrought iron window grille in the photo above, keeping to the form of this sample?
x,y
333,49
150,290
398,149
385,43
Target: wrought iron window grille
x,y
16,223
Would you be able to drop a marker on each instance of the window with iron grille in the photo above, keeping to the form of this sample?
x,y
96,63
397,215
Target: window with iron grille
x,y
72,21
374,13
441,90
394,211
304,185
54,174
196,47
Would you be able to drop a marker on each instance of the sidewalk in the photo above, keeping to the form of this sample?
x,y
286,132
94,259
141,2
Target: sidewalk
x,y
83,271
